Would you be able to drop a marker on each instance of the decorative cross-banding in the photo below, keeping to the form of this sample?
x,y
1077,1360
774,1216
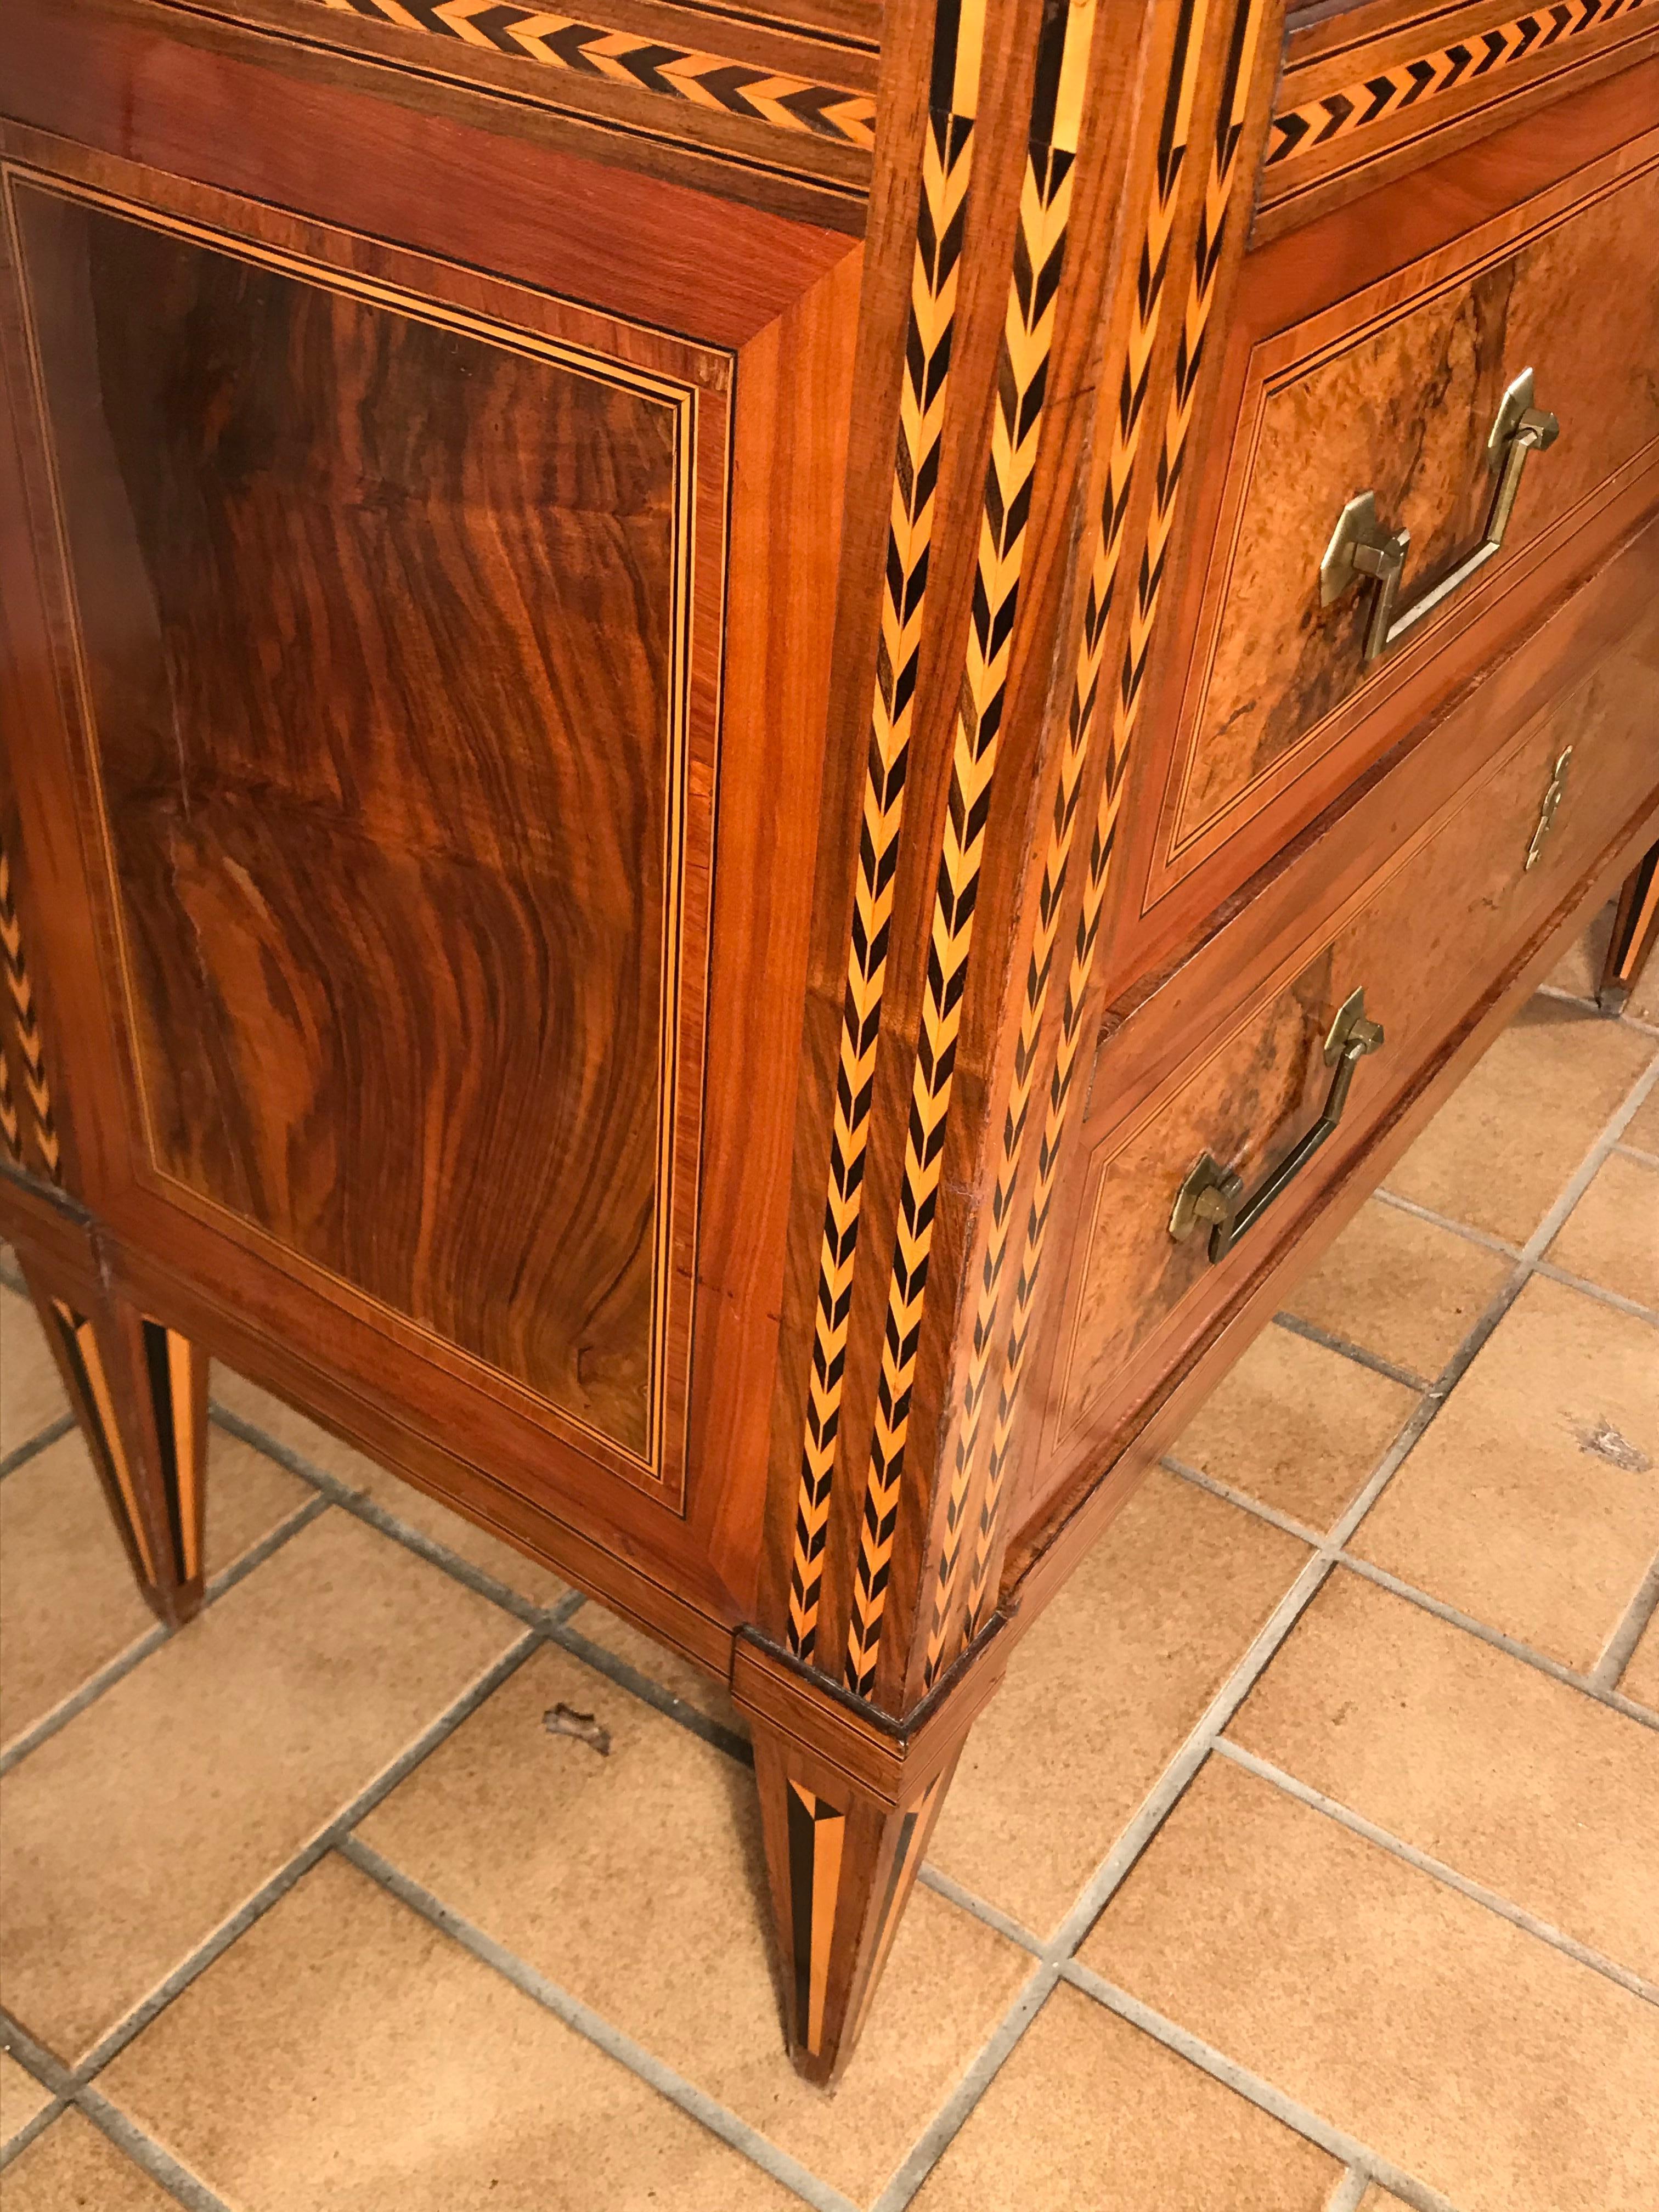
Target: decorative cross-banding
x,y
1390,91
645,64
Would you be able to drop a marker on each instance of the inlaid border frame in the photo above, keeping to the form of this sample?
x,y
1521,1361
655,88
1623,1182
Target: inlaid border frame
x,y
696,381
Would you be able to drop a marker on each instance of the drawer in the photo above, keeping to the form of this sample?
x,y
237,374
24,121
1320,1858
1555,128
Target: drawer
x,y
1370,353
1425,935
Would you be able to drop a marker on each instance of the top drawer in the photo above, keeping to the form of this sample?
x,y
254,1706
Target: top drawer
x,y
1357,364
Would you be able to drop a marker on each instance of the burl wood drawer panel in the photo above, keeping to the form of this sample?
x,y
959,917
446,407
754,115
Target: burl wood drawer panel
x,y
1459,893
1393,386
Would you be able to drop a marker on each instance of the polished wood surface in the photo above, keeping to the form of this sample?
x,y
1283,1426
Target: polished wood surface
x,y
632,868
383,630
1403,406
1450,904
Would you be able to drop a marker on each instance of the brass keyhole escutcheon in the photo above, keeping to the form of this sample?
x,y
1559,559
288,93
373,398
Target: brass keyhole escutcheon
x,y
1547,812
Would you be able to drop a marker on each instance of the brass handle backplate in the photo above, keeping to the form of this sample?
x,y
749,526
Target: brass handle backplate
x,y
1215,1194
1361,546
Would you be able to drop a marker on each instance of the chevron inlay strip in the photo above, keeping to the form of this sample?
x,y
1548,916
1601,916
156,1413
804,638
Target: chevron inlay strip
x,y
1027,340
1409,84
1151,272
629,57
26,1030
1126,711
947,165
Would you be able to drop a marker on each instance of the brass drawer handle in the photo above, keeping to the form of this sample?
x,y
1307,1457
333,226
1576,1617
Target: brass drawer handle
x,y
1360,546
1216,1194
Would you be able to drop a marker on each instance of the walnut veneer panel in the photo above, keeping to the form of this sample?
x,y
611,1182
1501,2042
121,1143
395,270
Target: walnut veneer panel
x,y
383,629
1396,392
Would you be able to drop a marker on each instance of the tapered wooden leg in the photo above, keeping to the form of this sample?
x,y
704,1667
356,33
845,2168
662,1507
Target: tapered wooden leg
x,y
139,1392
843,1862
1635,932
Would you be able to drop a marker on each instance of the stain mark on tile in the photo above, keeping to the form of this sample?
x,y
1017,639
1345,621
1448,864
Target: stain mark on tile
x,y
565,1720
1604,1441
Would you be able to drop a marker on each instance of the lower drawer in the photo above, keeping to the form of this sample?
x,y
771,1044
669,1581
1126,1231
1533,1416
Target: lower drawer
x,y
1434,914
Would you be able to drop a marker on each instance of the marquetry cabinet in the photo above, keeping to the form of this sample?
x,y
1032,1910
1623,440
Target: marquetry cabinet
x,y
753,752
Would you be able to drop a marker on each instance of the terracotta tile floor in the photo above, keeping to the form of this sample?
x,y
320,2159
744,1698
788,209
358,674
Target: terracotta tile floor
x,y
1307,1860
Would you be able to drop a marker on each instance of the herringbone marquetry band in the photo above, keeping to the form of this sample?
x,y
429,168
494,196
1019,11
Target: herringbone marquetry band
x,y
26,1028
1131,384
627,57
1027,341
1126,710
1409,84
947,167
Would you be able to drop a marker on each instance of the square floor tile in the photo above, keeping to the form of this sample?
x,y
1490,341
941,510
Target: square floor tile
x,y
295,1432
1522,1784
133,1832
20,2097
1611,1235
1501,1149
75,2167
1531,1501
67,1594
1642,1130
344,2053
31,1392
1088,2111
1299,1427
1471,2055
1400,1287
1103,1693
636,1882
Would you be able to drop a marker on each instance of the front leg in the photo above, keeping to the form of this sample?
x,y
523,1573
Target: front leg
x,y
139,1392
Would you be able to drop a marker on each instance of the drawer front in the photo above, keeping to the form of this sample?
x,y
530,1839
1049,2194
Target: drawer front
x,y
1370,353
1425,936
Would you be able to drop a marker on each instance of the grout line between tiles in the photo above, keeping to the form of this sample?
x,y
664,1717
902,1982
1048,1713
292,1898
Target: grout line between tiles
x,y
695,2103
946,2124
1621,1645
1578,998
20,1454
1466,1229
640,1686
153,1639
1635,1152
145,2152
16,2144
1349,1350
1596,1291
1349,2191
362,1507
116,2039
91,1690
1603,1693
1264,2094
1155,1808
1493,1900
